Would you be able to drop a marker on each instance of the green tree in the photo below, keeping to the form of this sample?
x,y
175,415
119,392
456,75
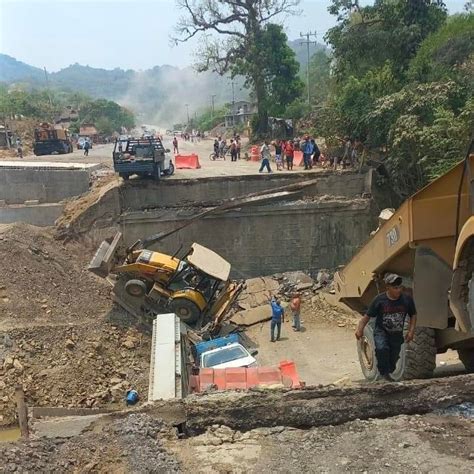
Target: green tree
x,y
233,32
319,78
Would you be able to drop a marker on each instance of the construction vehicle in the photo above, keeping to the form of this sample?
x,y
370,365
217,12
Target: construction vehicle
x,y
50,139
195,287
429,241
142,156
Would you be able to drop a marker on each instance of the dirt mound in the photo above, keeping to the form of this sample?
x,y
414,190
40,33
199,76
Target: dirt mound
x,y
88,365
44,280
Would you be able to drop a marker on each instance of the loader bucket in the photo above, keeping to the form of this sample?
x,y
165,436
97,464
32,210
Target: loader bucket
x,y
103,260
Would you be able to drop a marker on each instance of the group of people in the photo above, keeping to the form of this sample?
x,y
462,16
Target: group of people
x,y
194,136
221,148
285,153
278,316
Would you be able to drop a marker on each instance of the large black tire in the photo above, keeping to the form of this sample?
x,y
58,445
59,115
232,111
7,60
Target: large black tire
x,y
135,288
417,358
186,310
170,170
157,172
467,358
124,176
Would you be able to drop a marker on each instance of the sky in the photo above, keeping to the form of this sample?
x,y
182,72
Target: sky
x,y
120,33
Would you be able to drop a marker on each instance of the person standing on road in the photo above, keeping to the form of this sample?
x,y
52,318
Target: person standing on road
x,y
86,147
278,315
289,154
295,306
316,152
266,155
175,145
389,310
278,156
238,146
307,149
19,148
233,151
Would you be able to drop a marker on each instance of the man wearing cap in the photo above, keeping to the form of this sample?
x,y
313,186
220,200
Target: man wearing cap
x,y
390,309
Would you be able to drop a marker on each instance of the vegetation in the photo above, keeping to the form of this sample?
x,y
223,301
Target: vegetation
x,y
409,99
44,105
246,43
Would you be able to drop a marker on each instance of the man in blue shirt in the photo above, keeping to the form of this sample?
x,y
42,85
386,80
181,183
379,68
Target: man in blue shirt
x,y
277,318
308,149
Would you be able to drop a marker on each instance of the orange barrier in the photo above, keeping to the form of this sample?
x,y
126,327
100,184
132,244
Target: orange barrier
x,y
187,162
255,153
298,158
245,378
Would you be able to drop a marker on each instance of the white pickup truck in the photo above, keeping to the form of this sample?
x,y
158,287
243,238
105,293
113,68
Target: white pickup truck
x,y
231,355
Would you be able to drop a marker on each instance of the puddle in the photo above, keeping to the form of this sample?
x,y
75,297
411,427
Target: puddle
x,y
9,434
464,410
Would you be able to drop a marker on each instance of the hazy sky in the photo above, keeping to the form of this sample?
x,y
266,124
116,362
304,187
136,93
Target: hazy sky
x,y
118,33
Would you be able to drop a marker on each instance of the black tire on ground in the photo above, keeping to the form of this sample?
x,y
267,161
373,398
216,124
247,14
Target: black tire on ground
x,y
157,172
417,358
186,310
136,288
467,358
124,176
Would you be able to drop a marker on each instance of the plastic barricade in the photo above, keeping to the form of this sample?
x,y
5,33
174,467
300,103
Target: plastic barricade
x,y
187,162
298,158
255,153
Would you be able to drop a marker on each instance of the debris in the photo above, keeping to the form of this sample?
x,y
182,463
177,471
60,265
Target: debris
x,y
70,344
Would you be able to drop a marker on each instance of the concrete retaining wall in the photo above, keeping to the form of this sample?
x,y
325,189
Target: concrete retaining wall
x,y
267,239
46,185
40,215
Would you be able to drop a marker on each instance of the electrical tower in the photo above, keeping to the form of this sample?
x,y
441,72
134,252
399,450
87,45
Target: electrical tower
x,y
308,42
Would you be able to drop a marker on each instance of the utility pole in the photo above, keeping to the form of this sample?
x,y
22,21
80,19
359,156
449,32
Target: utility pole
x,y
308,35
47,89
212,106
187,111
233,94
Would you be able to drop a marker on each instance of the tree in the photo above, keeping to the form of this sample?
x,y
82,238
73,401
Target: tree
x,y
233,33
396,27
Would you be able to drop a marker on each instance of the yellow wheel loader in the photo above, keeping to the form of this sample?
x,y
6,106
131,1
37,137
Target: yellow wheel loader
x,y
429,241
195,287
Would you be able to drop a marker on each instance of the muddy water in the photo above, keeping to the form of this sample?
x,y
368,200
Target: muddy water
x,y
9,434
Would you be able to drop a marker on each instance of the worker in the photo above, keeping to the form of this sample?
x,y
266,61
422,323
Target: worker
x,y
295,306
266,155
87,145
278,315
308,150
390,310
175,145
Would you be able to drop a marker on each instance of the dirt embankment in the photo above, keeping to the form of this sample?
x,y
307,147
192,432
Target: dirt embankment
x,y
60,336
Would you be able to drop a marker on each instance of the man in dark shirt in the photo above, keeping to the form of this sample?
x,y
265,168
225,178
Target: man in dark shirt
x,y
390,309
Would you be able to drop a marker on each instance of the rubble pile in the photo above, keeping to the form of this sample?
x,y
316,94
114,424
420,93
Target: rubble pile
x,y
89,365
132,444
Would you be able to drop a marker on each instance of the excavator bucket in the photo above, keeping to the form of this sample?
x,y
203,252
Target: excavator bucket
x,y
103,260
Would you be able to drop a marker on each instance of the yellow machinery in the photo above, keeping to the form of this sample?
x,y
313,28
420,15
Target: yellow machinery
x,y
429,241
195,287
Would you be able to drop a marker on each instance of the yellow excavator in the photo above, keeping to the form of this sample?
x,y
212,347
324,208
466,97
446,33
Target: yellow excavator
x,y
196,287
429,241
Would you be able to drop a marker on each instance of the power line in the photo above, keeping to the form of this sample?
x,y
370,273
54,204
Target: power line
x,y
308,42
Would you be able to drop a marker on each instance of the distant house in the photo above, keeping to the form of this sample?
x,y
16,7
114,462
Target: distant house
x,y
89,130
241,113
67,116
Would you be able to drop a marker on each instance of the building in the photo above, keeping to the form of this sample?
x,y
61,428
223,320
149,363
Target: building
x,y
89,130
241,113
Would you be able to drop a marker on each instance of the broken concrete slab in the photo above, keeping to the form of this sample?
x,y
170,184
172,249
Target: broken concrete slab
x,y
252,316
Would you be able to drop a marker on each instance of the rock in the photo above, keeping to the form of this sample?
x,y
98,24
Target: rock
x,y
129,343
8,363
2,385
404,445
70,344
303,286
17,365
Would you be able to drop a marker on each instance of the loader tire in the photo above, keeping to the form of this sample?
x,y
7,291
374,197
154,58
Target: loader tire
x,y
186,310
366,353
418,357
136,288
467,358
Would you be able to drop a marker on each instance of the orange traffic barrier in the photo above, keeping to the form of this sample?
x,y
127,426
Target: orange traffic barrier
x,y
187,162
255,153
298,158
289,374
